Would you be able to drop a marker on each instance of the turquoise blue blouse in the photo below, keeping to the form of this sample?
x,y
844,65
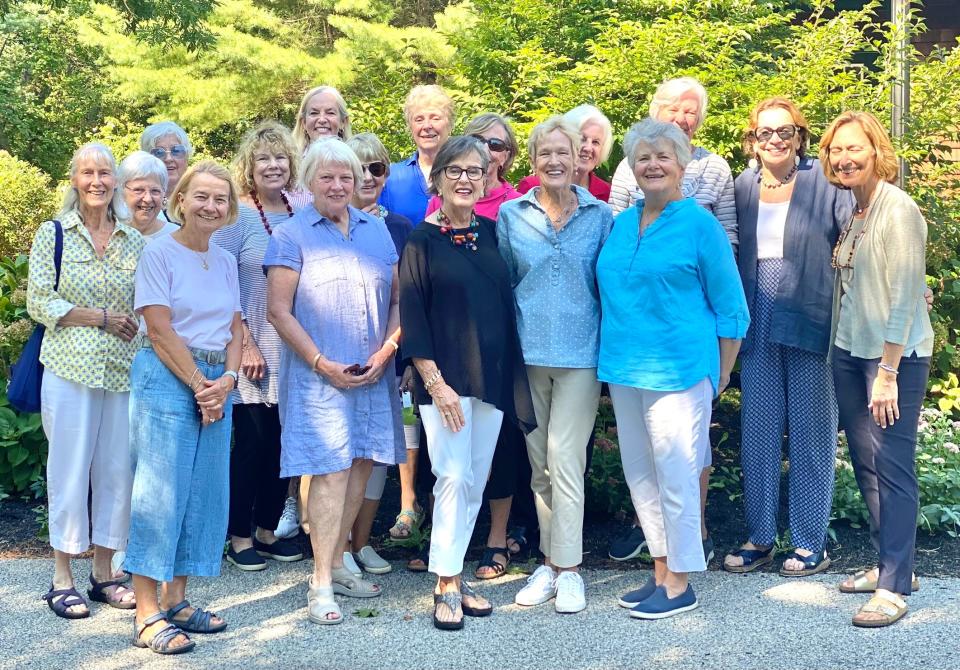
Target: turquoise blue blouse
x,y
666,297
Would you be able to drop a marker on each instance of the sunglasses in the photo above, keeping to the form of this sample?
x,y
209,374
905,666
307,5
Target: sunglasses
x,y
764,134
493,143
176,151
376,169
454,172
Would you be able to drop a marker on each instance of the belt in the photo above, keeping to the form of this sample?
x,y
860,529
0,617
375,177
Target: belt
x,y
203,355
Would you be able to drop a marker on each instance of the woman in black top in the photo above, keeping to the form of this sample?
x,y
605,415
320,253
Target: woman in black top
x,y
459,329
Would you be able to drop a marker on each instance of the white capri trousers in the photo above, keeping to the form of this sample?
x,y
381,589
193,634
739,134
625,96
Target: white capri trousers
x,y
663,435
89,436
461,463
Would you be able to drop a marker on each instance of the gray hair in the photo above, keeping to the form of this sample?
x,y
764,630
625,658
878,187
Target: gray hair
x,y
141,165
429,95
369,148
300,135
584,115
651,131
325,152
452,149
671,90
481,123
100,154
152,134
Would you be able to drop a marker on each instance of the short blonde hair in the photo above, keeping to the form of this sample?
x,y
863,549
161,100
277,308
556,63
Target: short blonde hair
x,y
100,154
214,169
329,151
369,148
777,102
429,95
269,135
585,115
300,135
886,165
544,128
481,123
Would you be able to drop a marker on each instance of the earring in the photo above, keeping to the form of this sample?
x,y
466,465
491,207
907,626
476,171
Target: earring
x,y
796,160
753,164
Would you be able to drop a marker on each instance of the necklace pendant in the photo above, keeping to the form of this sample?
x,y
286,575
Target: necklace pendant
x,y
204,265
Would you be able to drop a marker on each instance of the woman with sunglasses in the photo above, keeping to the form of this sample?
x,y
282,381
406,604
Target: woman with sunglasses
x,y
168,142
789,217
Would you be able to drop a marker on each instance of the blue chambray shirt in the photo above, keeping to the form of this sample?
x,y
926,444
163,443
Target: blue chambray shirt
x,y
405,191
667,296
553,274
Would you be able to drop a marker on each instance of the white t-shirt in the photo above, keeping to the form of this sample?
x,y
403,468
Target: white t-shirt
x,y
771,222
167,228
202,302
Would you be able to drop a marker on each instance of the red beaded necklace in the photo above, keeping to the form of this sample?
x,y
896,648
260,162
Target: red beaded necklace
x,y
460,239
263,217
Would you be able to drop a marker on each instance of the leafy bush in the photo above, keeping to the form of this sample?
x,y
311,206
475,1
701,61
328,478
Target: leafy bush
x,y
26,200
606,491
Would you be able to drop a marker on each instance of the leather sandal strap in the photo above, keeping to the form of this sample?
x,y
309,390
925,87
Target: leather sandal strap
x,y
176,609
150,620
72,597
163,637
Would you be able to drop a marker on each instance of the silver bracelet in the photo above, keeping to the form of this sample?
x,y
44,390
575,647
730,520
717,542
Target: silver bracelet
x,y
889,368
232,373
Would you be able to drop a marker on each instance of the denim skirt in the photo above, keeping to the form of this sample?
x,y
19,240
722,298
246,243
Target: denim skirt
x,y
178,513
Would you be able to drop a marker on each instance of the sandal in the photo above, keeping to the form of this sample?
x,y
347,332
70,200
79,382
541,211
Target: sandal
x,y
61,607
891,610
198,622
863,584
98,593
468,592
320,604
518,536
488,561
752,559
420,562
453,601
812,564
405,523
163,638
348,584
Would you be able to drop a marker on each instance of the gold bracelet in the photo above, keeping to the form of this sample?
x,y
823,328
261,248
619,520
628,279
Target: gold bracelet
x,y
313,365
434,379
396,347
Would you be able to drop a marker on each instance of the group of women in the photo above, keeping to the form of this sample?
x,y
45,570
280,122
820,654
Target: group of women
x,y
293,298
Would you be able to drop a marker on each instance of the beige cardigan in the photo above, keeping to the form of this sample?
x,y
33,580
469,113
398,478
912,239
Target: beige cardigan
x,y
886,301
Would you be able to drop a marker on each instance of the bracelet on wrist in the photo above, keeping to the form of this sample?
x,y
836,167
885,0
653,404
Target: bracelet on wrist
x,y
234,375
316,359
104,310
432,380
396,347
888,368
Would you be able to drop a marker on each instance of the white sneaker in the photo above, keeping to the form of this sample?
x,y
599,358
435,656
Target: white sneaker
x,y
350,564
570,596
289,521
541,587
371,561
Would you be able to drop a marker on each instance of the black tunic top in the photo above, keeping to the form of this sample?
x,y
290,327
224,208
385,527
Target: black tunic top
x,y
457,309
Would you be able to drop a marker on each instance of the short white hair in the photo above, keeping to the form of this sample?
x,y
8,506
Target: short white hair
x,y
672,90
326,152
152,134
141,165
652,131
583,115
101,155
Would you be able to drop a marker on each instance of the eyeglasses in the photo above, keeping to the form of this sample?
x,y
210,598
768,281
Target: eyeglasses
x,y
140,191
376,169
764,134
453,172
176,151
493,143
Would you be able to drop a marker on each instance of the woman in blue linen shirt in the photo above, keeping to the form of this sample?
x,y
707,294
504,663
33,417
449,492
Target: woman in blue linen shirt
x,y
669,289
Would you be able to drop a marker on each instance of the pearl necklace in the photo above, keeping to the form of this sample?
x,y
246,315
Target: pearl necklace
x,y
263,216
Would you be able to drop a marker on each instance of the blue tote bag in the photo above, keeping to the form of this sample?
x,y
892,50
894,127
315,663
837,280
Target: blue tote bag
x,y
27,373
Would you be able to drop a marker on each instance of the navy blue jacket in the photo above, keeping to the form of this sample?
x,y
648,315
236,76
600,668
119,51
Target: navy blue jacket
x,y
817,213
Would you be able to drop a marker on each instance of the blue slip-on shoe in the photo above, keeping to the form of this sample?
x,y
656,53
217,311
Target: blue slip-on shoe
x,y
659,606
632,598
627,546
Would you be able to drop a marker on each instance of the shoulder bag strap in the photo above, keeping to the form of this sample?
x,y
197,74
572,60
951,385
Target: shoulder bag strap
x,y
58,252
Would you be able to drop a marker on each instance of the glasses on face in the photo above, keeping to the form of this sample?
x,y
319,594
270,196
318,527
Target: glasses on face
x,y
783,132
376,169
155,193
176,151
492,143
453,172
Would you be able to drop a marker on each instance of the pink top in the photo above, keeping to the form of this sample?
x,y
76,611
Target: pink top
x,y
598,188
488,205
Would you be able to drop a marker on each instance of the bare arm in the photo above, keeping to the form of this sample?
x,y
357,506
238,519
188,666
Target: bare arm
x,y
116,323
728,356
884,396
445,399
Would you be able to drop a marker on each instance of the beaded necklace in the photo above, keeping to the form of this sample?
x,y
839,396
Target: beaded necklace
x,y
263,217
460,239
777,183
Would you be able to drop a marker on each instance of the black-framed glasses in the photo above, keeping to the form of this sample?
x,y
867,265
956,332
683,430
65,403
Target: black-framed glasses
x,y
176,151
376,168
453,172
783,132
493,143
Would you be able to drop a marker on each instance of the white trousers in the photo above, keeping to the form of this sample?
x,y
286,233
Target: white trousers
x,y
663,435
89,437
461,463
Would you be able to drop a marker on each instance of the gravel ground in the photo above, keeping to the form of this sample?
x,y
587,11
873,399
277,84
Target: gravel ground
x,y
748,621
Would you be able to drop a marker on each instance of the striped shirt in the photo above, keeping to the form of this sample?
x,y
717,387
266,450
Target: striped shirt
x,y
247,241
707,180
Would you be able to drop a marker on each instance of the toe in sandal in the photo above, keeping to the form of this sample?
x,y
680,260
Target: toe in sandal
x,y
420,562
468,592
201,621
863,584
348,584
320,603
163,638
98,593
891,612
62,606
402,529
487,560
812,564
452,600
752,559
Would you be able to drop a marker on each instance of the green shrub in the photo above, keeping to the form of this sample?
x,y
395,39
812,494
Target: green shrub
x,y
26,200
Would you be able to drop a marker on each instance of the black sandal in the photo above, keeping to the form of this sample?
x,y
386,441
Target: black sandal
x,y
163,638
420,562
752,559
62,606
812,564
487,561
467,591
518,535
452,600
96,592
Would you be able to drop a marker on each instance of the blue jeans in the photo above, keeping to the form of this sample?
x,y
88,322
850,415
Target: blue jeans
x,y
178,514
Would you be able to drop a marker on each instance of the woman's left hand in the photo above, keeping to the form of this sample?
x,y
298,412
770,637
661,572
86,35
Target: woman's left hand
x,y
252,364
883,399
213,394
723,383
378,363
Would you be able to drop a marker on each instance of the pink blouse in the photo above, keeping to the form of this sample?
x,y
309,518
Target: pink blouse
x,y
488,205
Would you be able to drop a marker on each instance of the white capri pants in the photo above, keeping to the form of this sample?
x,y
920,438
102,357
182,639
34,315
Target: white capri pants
x,y
663,436
461,463
89,436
